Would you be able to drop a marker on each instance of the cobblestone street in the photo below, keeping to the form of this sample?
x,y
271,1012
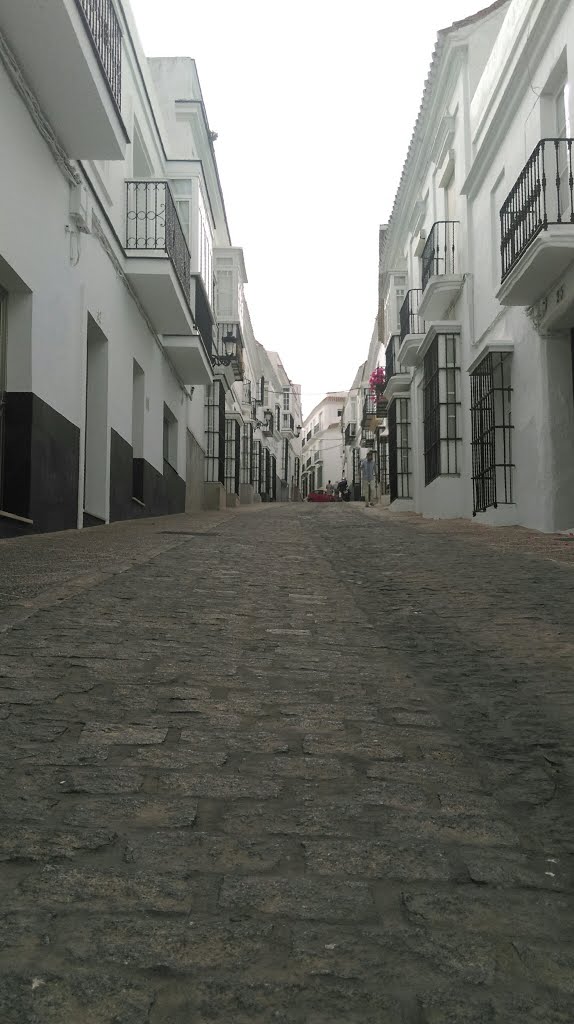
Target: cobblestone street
x,y
289,764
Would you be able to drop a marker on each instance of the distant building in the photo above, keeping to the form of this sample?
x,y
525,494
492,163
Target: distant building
x,y
322,443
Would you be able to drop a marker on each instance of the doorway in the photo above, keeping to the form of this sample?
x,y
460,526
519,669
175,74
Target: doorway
x,y
138,413
96,459
3,385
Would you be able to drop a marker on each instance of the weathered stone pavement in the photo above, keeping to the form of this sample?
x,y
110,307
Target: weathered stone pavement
x,y
290,765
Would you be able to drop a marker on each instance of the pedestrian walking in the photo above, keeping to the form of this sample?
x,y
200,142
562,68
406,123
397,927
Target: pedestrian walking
x,y
329,488
368,473
342,488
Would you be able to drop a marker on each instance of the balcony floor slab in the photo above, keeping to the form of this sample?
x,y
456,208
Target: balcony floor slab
x,y
547,257
439,295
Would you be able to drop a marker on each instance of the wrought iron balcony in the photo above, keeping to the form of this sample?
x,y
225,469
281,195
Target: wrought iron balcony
x,y
367,439
106,38
153,224
439,257
410,321
543,196
369,409
392,364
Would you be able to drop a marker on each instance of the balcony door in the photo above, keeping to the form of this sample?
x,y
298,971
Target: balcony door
x,y
3,385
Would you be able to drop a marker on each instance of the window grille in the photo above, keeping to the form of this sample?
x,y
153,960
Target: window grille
x,y
278,418
441,398
399,449
297,470
232,456
491,443
247,454
257,462
285,460
383,463
273,470
215,433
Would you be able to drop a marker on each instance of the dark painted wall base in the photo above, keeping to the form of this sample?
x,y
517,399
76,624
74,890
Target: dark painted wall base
x,y
41,473
41,465
160,494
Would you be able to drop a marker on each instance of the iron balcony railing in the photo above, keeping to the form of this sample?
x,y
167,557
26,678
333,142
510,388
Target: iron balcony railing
x,y
369,403
105,34
152,223
440,254
392,365
410,321
542,195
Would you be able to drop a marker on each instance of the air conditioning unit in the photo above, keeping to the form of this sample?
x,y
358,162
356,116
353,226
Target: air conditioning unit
x,y
80,208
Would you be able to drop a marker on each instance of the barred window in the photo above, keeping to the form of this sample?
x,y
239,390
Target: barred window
x,y
383,462
441,397
232,455
491,442
400,448
247,454
215,433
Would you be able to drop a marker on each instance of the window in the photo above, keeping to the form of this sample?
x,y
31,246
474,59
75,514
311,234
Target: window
x,y
285,421
232,456
339,413
277,418
205,255
399,449
169,437
319,477
441,398
383,462
286,399
215,433
224,302
491,442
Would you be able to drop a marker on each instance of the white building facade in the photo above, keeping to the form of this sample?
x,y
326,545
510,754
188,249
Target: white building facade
x,y
426,284
125,341
322,444
479,357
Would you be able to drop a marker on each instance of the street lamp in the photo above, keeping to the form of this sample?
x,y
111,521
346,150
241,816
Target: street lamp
x,y
230,346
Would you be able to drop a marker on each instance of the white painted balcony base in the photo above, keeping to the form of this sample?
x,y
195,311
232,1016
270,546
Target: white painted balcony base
x,y
547,257
439,295
53,48
188,355
398,386
157,286
408,352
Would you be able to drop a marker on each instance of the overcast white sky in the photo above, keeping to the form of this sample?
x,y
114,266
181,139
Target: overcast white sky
x,y
314,102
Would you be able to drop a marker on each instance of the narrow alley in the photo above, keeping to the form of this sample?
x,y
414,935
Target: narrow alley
x,y
297,764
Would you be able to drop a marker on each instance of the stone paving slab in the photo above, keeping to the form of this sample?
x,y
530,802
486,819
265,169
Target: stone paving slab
x,y
287,764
